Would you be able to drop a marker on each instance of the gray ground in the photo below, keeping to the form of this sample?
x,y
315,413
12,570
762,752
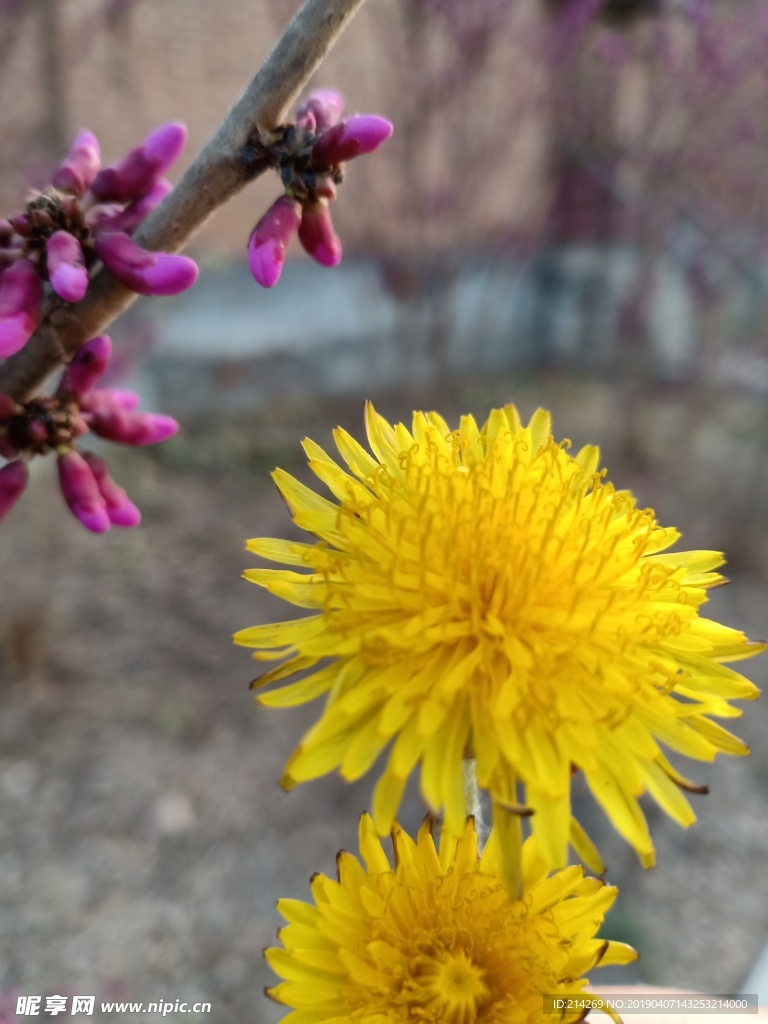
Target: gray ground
x,y
144,837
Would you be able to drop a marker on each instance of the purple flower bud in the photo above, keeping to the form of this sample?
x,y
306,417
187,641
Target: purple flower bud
x,y
106,399
120,509
6,232
22,225
13,480
21,295
87,365
81,492
80,166
164,145
129,427
37,432
148,273
101,214
348,139
270,239
128,219
8,406
66,266
307,122
140,169
325,105
316,234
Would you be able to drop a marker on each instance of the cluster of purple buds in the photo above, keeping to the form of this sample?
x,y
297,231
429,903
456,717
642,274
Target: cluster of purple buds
x,y
310,156
53,424
84,219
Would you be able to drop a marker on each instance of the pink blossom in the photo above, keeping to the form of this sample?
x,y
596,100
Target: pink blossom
x,y
104,399
21,295
81,492
148,273
13,480
80,166
325,106
131,427
316,234
355,137
128,219
120,509
87,366
142,167
66,266
270,239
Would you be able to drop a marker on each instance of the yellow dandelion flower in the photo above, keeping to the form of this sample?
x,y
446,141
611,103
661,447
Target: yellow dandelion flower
x,y
482,593
439,938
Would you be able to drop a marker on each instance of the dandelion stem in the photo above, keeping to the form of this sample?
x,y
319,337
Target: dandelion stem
x,y
472,793
509,827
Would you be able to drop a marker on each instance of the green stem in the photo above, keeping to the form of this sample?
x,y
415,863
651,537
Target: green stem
x,y
472,791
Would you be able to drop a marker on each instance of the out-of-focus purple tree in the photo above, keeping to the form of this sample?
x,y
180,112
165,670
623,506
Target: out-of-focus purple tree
x,y
659,218
534,127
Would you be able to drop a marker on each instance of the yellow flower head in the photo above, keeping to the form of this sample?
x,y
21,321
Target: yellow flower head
x,y
482,593
439,938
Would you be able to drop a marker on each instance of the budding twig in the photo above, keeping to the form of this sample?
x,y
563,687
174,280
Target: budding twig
x,y
225,165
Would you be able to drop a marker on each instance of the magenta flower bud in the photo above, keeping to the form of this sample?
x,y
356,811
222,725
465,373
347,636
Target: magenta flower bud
x,y
81,492
307,122
8,406
80,166
107,399
348,139
87,366
13,480
270,239
140,169
37,431
130,427
128,219
66,266
120,509
148,273
164,146
100,215
316,234
22,225
325,105
21,295
6,232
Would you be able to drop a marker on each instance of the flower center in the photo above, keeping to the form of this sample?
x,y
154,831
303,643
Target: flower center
x,y
452,988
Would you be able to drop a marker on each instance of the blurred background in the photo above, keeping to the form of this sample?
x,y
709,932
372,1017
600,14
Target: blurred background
x,y
571,213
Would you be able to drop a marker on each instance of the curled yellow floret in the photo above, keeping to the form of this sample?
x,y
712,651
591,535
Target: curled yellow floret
x,y
482,593
438,938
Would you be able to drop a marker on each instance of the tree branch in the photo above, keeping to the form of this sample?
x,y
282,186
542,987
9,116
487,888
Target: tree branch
x,y
226,164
